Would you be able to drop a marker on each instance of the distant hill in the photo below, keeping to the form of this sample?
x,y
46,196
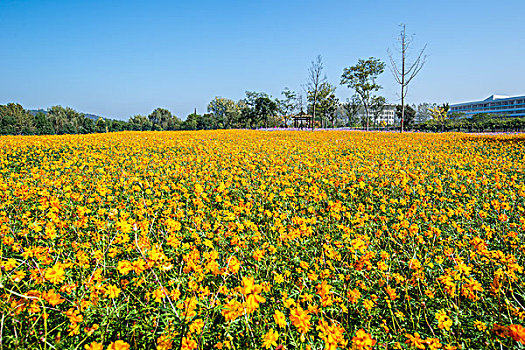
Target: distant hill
x,y
87,115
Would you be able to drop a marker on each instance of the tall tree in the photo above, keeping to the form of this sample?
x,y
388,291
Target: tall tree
x,y
43,124
404,72
257,108
377,106
16,120
161,119
139,123
410,114
265,108
326,104
423,112
191,121
288,105
362,79
225,111
352,108
65,120
440,115
314,81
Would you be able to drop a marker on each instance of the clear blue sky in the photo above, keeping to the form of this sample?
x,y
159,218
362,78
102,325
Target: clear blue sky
x,y
119,58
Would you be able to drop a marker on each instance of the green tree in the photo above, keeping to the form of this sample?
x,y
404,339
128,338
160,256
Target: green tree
x,y
265,108
410,115
139,123
43,125
423,112
15,120
362,79
326,104
377,106
206,122
314,82
288,105
225,111
258,109
161,119
174,123
191,122
66,120
352,107
440,115
88,126
100,125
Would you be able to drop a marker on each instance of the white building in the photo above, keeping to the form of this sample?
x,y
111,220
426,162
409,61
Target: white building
x,y
503,106
386,117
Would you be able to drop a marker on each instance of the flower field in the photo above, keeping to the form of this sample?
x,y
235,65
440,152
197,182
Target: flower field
x,y
251,239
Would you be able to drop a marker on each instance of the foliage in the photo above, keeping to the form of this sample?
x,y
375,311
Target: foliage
x,y
440,115
225,112
377,106
14,119
325,103
288,105
249,239
162,119
139,123
410,115
352,108
362,79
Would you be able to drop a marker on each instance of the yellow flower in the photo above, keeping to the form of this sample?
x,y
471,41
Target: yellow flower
x,y
112,291
251,292
55,274
234,265
362,340
94,346
270,339
188,344
279,319
118,345
444,322
124,267
300,319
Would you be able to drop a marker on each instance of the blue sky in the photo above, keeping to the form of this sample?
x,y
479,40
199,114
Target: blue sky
x,y
119,58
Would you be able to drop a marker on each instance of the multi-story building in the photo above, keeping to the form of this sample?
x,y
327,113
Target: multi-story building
x,y
386,117
499,105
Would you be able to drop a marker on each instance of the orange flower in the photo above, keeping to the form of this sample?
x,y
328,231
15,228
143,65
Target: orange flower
x,y
94,346
279,319
234,264
270,339
300,319
415,341
55,274
251,292
362,340
118,345
517,332
112,291
124,267
232,310
52,298
188,344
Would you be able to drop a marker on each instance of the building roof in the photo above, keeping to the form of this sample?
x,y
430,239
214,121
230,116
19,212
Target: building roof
x,y
495,97
488,99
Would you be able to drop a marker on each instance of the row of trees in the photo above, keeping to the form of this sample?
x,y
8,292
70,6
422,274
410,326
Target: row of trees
x,y
15,120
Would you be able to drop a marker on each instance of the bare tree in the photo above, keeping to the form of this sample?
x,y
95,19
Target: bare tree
x,y
314,82
406,71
